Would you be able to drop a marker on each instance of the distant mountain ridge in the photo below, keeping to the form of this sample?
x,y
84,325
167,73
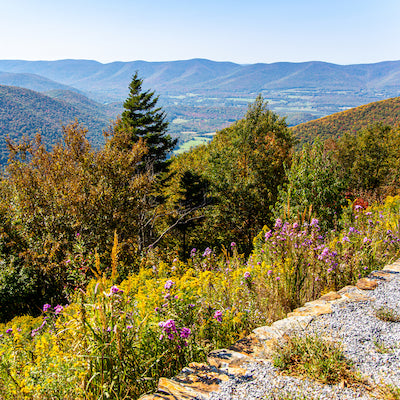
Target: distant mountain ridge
x,y
200,75
386,112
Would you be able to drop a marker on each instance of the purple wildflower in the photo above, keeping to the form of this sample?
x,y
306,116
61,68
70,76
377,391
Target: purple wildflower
x,y
314,222
185,333
278,223
218,315
233,244
325,253
168,285
58,309
46,307
207,252
169,328
247,275
114,289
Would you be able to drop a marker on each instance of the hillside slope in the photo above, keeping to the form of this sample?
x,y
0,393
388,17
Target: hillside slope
x,y
353,120
26,112
32,81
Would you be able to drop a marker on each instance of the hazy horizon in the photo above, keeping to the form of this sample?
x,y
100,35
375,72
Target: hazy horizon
x,y
260,31
190,59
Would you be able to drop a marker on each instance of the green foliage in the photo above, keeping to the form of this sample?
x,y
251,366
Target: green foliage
x,y
315,184
387,314
245,168
238,174
370,160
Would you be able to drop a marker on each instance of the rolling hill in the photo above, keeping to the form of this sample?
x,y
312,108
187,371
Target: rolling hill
x,y
26,112
32,81
353,120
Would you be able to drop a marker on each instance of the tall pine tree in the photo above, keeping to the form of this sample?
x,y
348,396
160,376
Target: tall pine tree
x,y
142,119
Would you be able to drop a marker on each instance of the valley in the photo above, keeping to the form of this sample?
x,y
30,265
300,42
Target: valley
x,y
201,96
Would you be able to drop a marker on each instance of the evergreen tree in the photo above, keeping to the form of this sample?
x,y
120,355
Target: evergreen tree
x,y
142,119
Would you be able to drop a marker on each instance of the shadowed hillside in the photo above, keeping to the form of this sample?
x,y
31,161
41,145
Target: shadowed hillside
x,y
25,112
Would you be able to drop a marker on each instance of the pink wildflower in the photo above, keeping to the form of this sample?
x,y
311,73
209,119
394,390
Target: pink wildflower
x,y
218,315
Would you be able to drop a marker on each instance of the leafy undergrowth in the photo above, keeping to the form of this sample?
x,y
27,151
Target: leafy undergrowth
x,y
115,339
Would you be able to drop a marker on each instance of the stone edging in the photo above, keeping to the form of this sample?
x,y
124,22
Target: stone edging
x,y
198,380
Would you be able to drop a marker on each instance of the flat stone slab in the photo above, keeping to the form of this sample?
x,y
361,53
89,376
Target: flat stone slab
x,y
227,358
292,323
312,310
331,296
395,267
382,275
196,381
357,297
367,284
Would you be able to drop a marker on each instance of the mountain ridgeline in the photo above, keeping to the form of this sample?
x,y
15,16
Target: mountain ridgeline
x,y
200,76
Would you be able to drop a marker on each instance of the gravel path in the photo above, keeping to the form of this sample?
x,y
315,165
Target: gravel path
x,y
372,344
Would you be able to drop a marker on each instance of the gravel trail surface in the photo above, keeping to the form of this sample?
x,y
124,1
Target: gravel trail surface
x,y
370,342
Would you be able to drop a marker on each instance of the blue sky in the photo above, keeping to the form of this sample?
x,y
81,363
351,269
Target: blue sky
x,y
246,31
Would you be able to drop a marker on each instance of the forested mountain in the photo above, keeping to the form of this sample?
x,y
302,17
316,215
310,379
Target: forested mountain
x,y
386,112
25,112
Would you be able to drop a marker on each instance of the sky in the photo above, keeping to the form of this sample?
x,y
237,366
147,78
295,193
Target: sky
x,y
241,31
